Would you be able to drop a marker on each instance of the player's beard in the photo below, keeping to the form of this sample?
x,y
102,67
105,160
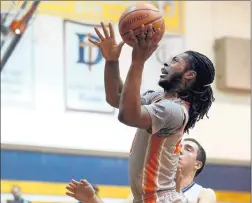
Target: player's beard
x,y
171,82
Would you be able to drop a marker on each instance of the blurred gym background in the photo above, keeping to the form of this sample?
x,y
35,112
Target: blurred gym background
x,y
56,125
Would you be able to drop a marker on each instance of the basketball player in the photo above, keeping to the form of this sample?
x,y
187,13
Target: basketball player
x,y
17,194
161,117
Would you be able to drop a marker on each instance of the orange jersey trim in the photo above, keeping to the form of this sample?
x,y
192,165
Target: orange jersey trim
x,y
151,168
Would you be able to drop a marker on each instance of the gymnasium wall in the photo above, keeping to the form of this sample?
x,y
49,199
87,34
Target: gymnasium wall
x,y
44,92
46,129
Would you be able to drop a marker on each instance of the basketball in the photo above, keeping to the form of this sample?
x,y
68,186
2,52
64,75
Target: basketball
x,y
137,15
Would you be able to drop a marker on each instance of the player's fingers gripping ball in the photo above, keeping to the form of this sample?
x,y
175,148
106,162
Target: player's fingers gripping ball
x,y
137,15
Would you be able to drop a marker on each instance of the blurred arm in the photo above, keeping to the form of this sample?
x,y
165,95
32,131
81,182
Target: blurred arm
x,y
113,83
95,199
131,112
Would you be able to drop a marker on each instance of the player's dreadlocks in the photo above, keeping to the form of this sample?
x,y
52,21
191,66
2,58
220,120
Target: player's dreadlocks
x,y
200,95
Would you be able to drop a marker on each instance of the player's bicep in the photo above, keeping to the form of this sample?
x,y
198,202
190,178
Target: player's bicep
x,y
144,120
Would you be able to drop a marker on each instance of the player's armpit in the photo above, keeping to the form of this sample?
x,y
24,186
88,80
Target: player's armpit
x,y
113,100
207,195
143,101
116,103
142,121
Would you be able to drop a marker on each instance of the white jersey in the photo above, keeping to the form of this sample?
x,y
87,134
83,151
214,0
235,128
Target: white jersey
x,y
192,191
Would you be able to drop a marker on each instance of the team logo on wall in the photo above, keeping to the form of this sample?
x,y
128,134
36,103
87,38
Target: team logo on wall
x,y
88,53
84,70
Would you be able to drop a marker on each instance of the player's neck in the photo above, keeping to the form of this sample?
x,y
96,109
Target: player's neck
x,y
187,180
18,198
171,94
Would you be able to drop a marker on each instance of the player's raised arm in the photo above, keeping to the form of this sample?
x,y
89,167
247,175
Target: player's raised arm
x,y
130,110
111,52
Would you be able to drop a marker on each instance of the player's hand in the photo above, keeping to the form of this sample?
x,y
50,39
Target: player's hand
x,y
107,44
179,178
144,46
82,191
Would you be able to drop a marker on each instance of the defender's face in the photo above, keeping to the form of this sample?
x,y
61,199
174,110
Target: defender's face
x,y
172,73
16,192
188,155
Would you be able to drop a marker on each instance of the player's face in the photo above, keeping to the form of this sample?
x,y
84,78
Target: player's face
x,y
188,155
16,192
172,73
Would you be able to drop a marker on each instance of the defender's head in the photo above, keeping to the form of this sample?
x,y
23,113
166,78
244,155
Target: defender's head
x,y
16,192
192,157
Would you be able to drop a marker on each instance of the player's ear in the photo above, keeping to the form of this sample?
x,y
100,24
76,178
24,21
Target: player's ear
x,y
190,75
198,165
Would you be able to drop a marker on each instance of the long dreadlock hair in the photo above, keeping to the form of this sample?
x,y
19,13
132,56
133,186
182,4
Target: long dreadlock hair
x,y
200,94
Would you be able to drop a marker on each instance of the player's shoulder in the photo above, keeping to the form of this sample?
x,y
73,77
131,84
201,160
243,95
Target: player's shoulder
x,y
209,193
148,92
153,92
151,95
208,190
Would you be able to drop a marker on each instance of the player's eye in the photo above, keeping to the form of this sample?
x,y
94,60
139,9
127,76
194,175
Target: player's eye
x,y
174,59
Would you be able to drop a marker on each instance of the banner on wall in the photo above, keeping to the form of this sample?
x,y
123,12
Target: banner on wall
x,y
109,11
84,70
17,77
